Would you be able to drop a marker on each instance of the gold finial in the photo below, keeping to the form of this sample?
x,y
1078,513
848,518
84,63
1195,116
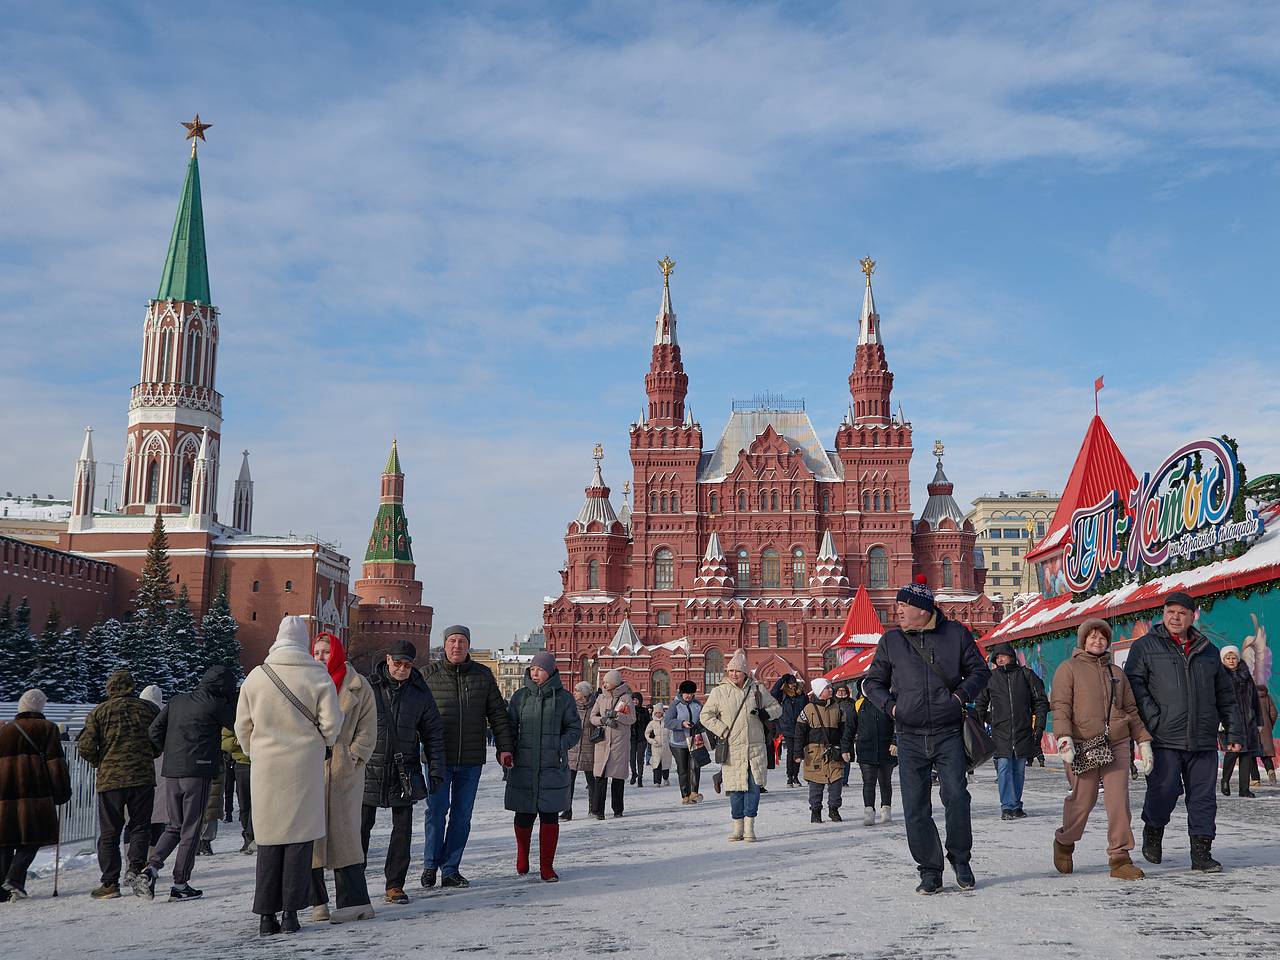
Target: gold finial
x,y
626,488
868,267
938,449
598,453
666,265
195,130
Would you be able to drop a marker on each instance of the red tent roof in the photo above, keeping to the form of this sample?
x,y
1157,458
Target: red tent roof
x,y
1100,467
862,622
854,667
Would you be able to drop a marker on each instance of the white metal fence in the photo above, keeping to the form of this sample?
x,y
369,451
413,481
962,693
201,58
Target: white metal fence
x,y
79,816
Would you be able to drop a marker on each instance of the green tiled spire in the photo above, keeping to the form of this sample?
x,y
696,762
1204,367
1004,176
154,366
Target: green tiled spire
x,y
186,270
390,541
393,461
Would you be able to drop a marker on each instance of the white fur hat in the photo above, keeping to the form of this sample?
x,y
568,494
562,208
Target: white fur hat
x,y
32,701
1222,654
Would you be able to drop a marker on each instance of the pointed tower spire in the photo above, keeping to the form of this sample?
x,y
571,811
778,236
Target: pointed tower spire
x,y
86,474
390,541
393,459
242,498
871,381
666,382
597,508
869,321
665,329
828,574
202,499
186,268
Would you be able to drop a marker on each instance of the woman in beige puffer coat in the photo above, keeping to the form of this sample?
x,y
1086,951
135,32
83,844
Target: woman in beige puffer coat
x,y
614,713
582,755
659,738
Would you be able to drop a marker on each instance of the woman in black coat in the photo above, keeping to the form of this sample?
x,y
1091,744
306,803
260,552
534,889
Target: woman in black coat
x,y
877,754
1250,709
34,781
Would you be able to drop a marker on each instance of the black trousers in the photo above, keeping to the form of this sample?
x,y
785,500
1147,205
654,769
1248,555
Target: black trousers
x,y
1191,774
526,820
229,787
245,799
591,788
637,758
614,786
112,807
284,878
874,774
16,861
795,753
687,772
349,887
396,867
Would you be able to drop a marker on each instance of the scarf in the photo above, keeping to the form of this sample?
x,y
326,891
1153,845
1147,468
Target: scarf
x,y
337,662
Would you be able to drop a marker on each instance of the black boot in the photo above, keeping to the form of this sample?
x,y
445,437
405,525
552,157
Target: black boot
x,y
289,921
1202,855
815,815
833,814
1152,841
1226,787
268,926
566,816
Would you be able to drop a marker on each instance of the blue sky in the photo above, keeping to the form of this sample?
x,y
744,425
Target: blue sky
x,y
442,222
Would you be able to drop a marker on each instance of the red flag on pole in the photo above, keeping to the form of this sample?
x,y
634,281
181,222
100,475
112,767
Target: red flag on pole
x,y
1097,387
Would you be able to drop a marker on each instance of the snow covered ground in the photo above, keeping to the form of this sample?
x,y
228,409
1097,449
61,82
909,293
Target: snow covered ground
x,y
663,882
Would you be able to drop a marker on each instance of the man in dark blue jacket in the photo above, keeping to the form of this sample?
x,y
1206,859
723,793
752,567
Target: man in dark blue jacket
x,y
786,690
1184,695
924,672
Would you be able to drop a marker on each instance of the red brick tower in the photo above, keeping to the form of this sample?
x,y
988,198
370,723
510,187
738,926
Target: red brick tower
x,y
597,543
390,594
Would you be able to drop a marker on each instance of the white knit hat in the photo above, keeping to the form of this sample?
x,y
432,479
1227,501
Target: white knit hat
x,y
153,694
1222,654
32,701
738,662
819,684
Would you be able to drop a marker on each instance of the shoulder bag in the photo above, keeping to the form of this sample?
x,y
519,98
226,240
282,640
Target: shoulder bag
x,y
722,745
298,704
978,745
1095,753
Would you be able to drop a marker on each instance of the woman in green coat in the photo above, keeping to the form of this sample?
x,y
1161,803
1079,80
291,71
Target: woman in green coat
x,y
545,726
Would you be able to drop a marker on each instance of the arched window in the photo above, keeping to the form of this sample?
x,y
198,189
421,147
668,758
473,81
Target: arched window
x,y
664,570
826,501
764,500
875,439
166,352
664,436
888,502
653,503
744,570
771,569
712,669
830,659
795,500
876,501
715,503
184,490
762,634
879,574
593,575
947,577
664,503
193,356
659,686
584,669
675,503
797,569
866,502
782,633
773,500
742,501
153,482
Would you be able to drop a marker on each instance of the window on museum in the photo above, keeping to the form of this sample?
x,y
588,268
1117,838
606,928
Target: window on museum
x,y
664,618
288,586
166,348
875,502
764,500
742,501
659,687
254,615
663,501
947,577
184,490
712,669
782,633
887,502
797,569
773,500
715,503
675,503
664,570
879,568
795,500
1017,568
593,575
826,501
744,570
771,569
653,503
995,565
866,502
762,634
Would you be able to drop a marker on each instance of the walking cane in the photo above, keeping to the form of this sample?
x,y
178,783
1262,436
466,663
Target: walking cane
x,y
57,852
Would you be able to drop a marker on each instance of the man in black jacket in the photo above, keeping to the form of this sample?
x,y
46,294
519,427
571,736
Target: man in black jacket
x,y
1184,694
468,698
786,690
408,722
923,674
639,745
1015,705
189,732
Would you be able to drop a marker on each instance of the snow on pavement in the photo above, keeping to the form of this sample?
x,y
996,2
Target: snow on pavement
x,y
664,882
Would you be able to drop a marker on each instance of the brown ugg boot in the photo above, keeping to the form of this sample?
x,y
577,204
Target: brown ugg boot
x,y
1062,856
1122,868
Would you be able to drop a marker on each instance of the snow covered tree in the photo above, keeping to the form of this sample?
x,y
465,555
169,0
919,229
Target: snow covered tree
x,y
101,651
10,661
219,629
183,651
144,647
56,666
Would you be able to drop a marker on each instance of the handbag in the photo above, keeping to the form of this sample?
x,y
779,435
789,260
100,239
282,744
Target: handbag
x,y
978,745
597,735
302,709
722,745
1095,753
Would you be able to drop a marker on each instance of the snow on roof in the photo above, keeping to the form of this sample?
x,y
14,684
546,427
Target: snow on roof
x,y
793,426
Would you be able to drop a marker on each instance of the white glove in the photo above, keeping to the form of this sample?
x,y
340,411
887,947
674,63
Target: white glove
x,y
1146,760
1066,749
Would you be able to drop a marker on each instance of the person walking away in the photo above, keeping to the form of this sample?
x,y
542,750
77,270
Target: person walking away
x,y
658,737
877,755
639,744
683,719
244,792
1249,709
582,757
847,706
612,712
826,736
188,731
34,782
1015,705
116,742
159,809
213,809
287,719
924,672
544,727
470,705
340,849
408,724
1092,699
1184,695
737,711
786,691
1266,726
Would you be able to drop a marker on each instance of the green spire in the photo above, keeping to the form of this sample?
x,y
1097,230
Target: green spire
x,y
186,270
393,461
390,541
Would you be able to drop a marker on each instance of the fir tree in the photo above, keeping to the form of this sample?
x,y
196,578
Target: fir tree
x,y
219,629
10,661
144,647
183,651
18,649
101,652
56,667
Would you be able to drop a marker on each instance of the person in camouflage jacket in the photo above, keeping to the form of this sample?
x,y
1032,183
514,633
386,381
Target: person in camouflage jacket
x,y
115,742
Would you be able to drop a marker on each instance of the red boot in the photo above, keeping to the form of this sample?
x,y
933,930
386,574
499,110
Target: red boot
x,y
548,836
523,836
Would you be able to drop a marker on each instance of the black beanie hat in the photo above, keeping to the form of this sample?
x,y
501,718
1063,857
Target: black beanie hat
x,y
688,686
917,594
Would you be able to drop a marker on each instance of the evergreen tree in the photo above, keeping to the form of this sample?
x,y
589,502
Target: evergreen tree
x,y
219,629
8,650
183,652
101,651
16,649
144,648
56,667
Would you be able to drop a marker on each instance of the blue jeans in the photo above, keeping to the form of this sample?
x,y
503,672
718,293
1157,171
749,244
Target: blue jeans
x,y
745,803
1011,772
917,757
456,797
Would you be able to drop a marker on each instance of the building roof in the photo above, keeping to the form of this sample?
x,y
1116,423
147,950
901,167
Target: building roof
x,y
862,626
186,268
941,505
625,638
744,426
1100,467
390,541
596,508
393,460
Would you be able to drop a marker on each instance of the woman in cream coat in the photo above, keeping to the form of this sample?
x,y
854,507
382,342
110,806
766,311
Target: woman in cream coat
x,y
287,770
341,850
659,738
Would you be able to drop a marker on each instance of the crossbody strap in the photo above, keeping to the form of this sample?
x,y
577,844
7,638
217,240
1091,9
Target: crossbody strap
x,y
289,695
44,758
1106,724
931,665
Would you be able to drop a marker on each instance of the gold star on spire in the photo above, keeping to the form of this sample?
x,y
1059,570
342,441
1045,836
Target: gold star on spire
x,y
868,267
195,130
